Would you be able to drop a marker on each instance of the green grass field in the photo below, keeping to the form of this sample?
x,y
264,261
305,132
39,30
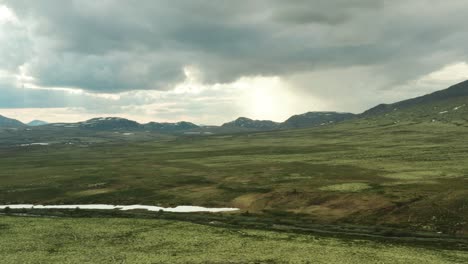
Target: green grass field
x,y
412,175
105,240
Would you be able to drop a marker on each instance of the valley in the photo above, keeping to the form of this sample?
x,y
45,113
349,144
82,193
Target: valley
x,y
398,175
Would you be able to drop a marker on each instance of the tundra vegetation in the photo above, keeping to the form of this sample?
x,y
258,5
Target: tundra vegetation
x,y
96,240
394,178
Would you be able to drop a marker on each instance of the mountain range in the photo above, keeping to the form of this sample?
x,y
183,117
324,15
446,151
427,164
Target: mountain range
x,y
449,105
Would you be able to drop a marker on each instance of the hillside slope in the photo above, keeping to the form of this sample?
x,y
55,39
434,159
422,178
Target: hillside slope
x,y
170,127
448,106
312,119
6,122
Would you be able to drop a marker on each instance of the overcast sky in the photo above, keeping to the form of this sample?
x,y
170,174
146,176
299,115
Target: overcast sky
x,y
209,62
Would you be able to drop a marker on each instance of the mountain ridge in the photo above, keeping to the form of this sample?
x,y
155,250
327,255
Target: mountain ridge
x,y
247,123
443,105
10,122
311,119
454,91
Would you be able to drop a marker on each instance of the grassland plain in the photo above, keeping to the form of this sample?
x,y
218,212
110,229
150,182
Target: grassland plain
x,y
114,240
370,172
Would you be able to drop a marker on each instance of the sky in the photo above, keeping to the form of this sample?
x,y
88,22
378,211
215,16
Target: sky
x,y
209,62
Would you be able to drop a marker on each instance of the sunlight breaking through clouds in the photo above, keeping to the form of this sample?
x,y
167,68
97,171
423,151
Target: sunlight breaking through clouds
x,y
7,16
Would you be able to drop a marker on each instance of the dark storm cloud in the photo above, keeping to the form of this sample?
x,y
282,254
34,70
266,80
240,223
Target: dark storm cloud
x,y
114,46
321,12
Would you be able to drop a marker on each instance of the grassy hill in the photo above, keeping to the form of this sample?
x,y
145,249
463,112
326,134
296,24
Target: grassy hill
x,y
452,110
312,119
447,104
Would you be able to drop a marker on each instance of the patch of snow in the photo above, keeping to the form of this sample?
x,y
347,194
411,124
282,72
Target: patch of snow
x,y
458,107
178,209
34,144
192,133
128,134
443,112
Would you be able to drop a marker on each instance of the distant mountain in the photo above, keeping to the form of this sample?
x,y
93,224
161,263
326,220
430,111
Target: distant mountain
x,y
453,92
243,123
117,123
37,123
170,127
9,123
312,119
449,105
109,123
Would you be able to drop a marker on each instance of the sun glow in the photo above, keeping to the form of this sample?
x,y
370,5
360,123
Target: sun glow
x,y
263,100
7,16
268,98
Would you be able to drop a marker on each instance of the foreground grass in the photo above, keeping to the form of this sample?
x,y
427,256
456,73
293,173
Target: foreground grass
x,y
88,240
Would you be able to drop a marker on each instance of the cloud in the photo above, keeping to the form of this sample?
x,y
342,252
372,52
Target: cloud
x,y
370,50
449,74
322,12
117,46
